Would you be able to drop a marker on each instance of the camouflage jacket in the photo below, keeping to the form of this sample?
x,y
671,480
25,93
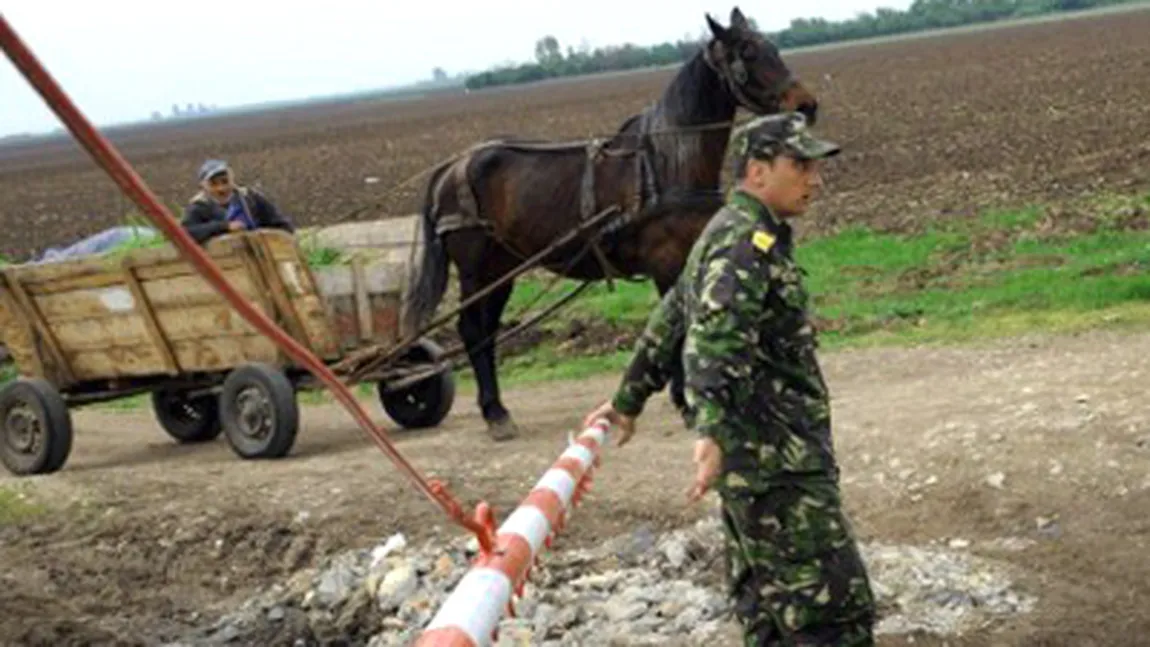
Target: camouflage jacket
x,y
738,317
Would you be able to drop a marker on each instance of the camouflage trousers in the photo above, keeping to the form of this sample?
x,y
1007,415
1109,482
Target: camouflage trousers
x,y
795,571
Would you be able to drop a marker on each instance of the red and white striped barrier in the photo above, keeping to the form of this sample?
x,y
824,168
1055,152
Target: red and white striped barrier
x,y
470,616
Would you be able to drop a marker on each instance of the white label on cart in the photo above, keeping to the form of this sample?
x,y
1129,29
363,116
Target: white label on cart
x,y
117,299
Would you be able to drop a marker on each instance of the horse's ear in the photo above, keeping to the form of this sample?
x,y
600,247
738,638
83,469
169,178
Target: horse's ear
x,y
718,30
738,20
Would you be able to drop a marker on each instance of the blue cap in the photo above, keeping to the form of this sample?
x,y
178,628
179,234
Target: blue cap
x,y
212,167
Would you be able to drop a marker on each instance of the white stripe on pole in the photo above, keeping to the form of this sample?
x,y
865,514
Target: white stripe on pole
x,y
477,604
529,522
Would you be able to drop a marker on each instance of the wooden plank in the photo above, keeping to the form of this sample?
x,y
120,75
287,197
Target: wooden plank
x,y
113,276
181,291
278,290
103,265
224,353
41,326
209,320
117,361
111,329
255,276
362,305
144,309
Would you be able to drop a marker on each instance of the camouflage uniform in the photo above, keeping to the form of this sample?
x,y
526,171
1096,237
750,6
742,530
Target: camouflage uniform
x,y
739,315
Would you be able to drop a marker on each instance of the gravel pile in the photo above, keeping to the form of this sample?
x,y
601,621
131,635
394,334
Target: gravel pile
x,y
637,589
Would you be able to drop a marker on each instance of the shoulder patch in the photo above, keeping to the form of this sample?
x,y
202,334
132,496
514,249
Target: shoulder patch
x,y
762,240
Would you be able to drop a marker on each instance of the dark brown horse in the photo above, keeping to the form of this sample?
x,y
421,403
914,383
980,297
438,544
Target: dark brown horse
x,y
505,200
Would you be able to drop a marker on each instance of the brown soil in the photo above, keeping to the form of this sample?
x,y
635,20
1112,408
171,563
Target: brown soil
x,y
933,128
149,537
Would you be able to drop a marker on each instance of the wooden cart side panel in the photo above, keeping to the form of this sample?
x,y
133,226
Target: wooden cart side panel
x,y
380,283
18,336
163,318
43,340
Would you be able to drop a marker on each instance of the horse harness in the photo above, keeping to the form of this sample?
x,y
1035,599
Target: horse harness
x,y
648,192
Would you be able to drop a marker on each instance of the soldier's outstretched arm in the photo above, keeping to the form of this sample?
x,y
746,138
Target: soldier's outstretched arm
x,y
723,336
656,351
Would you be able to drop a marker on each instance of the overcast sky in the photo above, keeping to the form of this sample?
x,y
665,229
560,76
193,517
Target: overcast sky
x,y
122,59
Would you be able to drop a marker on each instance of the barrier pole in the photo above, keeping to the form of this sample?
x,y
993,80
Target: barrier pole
x,y
470,616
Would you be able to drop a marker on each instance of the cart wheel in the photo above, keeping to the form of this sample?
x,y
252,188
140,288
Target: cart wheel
x,y
37,427
425,403
188,420
259,411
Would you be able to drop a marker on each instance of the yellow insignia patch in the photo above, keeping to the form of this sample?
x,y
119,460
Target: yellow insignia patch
x,y
762,240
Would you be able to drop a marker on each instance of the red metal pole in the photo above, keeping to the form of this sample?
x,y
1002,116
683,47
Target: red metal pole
x,y
130,182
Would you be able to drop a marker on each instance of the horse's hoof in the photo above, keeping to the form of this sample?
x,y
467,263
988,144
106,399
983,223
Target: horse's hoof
x,y
504,429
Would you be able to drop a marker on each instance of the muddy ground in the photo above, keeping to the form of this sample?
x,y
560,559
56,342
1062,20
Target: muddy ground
x,y
1046,439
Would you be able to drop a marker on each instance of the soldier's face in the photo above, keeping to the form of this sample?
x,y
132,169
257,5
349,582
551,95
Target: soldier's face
x,y
787,185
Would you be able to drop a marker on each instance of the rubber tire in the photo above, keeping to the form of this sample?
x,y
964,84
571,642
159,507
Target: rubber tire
x,y
424,404
55,419
208,427
281,397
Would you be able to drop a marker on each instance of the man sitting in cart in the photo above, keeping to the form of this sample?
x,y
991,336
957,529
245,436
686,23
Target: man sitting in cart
x,y
222,206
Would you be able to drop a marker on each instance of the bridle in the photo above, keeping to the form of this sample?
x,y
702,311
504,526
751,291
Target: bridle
x,y
735,76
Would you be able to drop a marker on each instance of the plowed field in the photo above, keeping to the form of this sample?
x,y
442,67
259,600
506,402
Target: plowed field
x,y
934,127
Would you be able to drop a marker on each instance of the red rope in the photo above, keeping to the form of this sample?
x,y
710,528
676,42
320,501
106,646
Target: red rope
x,y
131,183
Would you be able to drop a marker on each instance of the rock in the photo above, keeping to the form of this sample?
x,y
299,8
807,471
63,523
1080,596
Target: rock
x,y
444,566
996,480
1048,527
399,584
393,544
675,551
687,620
627,611
276,614
336,584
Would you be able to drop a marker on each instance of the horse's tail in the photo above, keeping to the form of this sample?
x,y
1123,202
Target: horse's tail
x,y
429,271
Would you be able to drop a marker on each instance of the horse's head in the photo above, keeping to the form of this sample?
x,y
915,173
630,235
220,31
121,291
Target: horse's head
x,y
753,71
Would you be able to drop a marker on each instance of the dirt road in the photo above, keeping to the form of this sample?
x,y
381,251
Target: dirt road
x,y
1047,440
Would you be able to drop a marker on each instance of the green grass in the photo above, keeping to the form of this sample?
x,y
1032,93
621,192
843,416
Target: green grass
x,y
998,275
16,507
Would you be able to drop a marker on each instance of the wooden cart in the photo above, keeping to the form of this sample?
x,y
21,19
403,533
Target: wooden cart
x,y
116,325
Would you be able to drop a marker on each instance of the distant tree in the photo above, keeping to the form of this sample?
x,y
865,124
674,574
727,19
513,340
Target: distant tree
x,y
175,110
156,115
550,60
547,52
438,74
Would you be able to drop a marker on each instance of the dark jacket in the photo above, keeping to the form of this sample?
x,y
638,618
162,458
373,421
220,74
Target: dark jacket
x,y
205,218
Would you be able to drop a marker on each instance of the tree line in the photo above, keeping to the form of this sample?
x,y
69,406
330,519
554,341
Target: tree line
x,y
552,62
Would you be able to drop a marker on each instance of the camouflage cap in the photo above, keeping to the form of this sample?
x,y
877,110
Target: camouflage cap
x,y
770,135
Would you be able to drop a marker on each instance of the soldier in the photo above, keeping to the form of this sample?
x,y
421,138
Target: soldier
x,y
757,399
221,206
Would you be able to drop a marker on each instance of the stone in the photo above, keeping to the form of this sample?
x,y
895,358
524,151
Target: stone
x,y
399,584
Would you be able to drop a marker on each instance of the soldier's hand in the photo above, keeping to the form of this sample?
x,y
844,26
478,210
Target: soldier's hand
x,y
624,423
708,463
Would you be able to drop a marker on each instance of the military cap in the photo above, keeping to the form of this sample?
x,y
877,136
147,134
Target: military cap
x,y
771,135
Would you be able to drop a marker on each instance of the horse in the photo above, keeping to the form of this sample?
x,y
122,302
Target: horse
x,y
505,200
